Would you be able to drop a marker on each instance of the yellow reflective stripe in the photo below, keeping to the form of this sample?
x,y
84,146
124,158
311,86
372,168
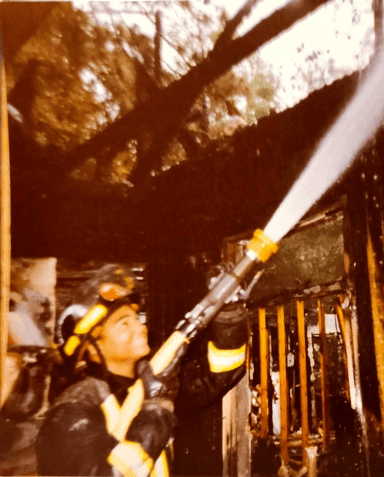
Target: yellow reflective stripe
x,y
111,410
71,345
225,359
161,466
94,315
131,459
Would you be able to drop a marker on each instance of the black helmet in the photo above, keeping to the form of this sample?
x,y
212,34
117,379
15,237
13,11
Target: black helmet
x,y
94,301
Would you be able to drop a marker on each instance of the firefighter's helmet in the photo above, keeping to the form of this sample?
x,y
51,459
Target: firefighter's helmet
x,y
93,302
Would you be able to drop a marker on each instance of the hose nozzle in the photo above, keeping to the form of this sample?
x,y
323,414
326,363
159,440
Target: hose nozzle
x,y
261,246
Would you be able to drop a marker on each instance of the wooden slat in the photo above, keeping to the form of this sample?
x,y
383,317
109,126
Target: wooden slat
x,y
264,367
303,379
347,355
5,231
377,307
324,375
314,292
229,429
283,385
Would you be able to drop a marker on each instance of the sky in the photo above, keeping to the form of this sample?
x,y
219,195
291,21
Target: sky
x,y
317,33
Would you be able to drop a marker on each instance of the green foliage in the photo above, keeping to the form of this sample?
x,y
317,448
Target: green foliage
x,y
175,155
80,79
221,94
260,98
246,92
75,76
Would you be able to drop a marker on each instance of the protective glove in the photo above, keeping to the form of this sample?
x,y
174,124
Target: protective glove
x,y
229,328
164,386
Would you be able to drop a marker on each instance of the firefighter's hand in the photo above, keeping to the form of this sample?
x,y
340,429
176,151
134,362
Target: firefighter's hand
x,y
164,385
229,327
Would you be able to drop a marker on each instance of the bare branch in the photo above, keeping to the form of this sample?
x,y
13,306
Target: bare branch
x,y
165,112
230,28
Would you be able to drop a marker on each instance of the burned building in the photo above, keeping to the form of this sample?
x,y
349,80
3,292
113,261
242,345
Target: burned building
x,y
311,400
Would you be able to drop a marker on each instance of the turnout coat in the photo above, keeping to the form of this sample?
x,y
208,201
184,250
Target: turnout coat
x,y
75,438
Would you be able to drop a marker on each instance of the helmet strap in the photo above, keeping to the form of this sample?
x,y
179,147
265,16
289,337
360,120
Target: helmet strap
x,y
100,355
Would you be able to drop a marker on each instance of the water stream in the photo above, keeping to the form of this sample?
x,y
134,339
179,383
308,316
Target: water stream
x,y
340,146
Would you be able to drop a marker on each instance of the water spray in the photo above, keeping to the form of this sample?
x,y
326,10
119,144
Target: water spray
x,y
356,125
352,130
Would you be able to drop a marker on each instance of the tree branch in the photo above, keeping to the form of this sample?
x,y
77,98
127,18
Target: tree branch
x,y
165,112
230,27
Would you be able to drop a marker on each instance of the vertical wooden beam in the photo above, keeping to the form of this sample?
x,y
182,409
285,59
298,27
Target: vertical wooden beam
x,y
311,453
378,22
377,306
264,367
157,49
312,390
364,467
229,430
324,375
283,385
353,371
347,351
5,229
243,435
236,436
303,379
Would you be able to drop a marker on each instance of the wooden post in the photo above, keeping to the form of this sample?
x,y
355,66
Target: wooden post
x,y
347,350
157,52
236,438
5,231
311,453
364,466
377,307
378,22
229,440
324,374
303,379
283,385
264,367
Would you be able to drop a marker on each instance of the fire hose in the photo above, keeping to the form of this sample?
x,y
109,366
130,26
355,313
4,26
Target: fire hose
x,y
223,291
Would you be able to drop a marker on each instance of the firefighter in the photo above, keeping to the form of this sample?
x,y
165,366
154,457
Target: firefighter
x,y
106,346
27,378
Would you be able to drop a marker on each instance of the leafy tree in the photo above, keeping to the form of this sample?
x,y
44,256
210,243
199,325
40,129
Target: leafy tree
x,y
66,82
96,94
163,117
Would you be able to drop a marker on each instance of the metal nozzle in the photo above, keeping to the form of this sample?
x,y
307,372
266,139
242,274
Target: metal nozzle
x,y
261,246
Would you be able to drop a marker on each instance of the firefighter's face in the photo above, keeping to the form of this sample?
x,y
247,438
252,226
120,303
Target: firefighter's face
x,y
123,338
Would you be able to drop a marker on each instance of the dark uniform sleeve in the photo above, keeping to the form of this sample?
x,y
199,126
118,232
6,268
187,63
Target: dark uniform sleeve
x,y
216,364
74,440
